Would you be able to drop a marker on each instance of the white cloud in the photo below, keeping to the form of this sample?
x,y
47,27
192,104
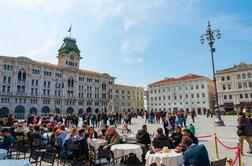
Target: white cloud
x,y
131,22
132,50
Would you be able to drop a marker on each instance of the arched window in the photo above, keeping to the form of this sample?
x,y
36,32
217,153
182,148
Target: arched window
x,y
72,83
19,75
24,76
243,76
249,75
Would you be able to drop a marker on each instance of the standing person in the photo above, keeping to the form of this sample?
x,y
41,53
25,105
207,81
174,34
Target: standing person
x,y
152,116
165,125
172,120
244,131
193,113
129,117
208,113
182,118
146,116
93,120
120,118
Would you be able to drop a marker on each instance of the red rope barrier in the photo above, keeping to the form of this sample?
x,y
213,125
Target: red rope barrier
x,y
236,156
205,136
225,146
238,150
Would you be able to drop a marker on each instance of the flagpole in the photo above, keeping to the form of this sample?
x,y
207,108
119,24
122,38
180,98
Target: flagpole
x,y
71,31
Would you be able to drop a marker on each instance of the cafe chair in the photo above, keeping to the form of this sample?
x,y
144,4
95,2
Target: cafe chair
x,y
221,162
48,158
132,160
34,157
102,157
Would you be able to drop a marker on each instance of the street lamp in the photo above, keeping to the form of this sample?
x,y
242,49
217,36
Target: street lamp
x,y
209,36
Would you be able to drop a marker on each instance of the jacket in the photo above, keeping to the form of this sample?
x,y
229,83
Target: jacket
x,y
196,155
143,137
161,141
244,124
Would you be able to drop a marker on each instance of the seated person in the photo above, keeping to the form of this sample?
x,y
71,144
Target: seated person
x,y
81,134
195,155
71,137
91,133
61,133
192,129
8,139
125,129
113,138
161,140
38,134
143,136
177,136
187,132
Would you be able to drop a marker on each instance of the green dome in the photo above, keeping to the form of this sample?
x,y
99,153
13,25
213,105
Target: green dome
x,y
69,44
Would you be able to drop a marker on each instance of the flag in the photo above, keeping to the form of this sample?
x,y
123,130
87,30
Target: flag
x,y
69,30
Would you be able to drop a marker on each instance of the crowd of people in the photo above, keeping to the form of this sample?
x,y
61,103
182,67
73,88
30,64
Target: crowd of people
x,y
174,132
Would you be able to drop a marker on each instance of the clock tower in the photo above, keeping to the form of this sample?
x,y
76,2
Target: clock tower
x,y
69,54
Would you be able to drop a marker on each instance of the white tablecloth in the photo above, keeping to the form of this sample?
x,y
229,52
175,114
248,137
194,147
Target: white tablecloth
x,y
96,143
120,150
171,158
14,162
3,153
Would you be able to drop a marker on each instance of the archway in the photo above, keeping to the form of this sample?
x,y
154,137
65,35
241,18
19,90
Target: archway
x,y
57,110
4,112
70,110
19,112
80,111
89,110
96,110
105,109
45,110
33,110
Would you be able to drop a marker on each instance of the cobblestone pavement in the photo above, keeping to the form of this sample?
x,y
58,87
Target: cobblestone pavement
x,y
205,126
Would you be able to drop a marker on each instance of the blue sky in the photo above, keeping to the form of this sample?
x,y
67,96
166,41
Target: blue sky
x,y
138,41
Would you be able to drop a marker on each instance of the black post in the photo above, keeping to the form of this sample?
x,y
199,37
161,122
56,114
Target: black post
x,y
209,35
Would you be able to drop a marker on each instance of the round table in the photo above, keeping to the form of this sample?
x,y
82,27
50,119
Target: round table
x,y
120,150
15,162
96,143
167,159
3,153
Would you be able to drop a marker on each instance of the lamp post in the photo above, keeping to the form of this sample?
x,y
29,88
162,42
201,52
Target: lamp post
x,y
209,36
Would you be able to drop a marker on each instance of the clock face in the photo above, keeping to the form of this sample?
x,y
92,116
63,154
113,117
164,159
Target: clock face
x,y
72,56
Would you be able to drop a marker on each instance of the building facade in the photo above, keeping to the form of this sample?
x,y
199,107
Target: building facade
x,y
235,86
28,86
189,92
127,98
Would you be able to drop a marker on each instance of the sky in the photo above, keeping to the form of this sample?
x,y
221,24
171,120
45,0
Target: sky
x,y
137,41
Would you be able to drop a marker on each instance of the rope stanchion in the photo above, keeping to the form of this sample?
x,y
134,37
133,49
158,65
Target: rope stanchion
x,y
238,151
216,146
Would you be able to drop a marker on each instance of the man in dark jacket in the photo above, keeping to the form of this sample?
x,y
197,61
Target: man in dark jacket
x,y
245,131
195,155
8,139
143,136
161,140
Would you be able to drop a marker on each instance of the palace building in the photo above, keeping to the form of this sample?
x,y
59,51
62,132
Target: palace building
x,y
189,92
234,85
127,98
29,86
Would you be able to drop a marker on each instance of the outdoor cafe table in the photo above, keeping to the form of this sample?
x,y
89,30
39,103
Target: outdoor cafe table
x,y
167,159
96,143
3,153
15,162
120,150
